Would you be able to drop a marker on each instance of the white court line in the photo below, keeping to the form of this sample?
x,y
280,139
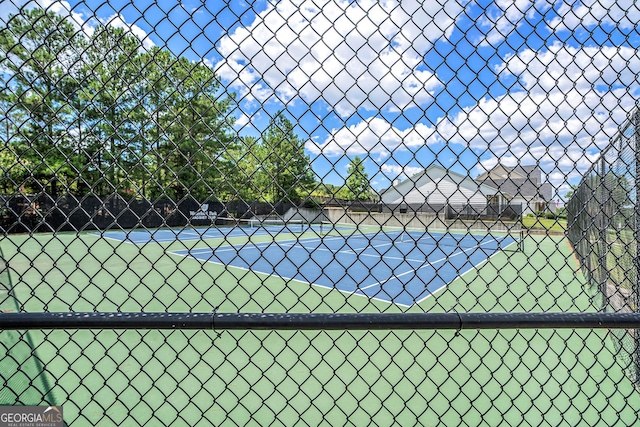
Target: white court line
x,y
427,264
304,282
477,266
358,291
130,238
291,243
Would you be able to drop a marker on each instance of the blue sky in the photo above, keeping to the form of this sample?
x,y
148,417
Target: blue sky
x,y
466,84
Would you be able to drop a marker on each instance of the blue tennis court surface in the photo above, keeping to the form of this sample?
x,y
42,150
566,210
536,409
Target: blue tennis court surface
x,y
403,268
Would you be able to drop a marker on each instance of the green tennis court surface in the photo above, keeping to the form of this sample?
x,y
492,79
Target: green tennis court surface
x,y
441,377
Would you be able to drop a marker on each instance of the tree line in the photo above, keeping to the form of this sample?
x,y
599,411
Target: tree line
x,y
100,114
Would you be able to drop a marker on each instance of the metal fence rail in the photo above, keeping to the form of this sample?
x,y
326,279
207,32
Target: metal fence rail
x,y
320,213
310,321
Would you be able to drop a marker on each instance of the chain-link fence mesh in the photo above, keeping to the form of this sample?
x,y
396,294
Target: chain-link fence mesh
x,y
336,212
603,227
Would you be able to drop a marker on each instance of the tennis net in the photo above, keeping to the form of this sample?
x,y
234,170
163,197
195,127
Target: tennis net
x,y
274,225
490,240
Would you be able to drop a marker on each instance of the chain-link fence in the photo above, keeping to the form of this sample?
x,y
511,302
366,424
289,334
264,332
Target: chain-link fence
x,y
603,228
320,213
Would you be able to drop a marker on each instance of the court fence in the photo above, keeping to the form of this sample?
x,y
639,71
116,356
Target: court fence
x,y
603,227
483,212
25,213
320,213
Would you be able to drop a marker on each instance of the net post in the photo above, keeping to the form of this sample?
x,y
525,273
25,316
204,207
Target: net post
x,y
602,252
521,234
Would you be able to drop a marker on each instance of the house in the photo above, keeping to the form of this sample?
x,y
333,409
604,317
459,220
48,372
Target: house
x,y
521,185
438,187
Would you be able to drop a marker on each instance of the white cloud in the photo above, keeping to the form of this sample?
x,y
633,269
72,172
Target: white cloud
x,y
572,104
348,54
62,8
242,120
589,13
118,21
80,21
569,106
562,67
393,171
372,136
503,17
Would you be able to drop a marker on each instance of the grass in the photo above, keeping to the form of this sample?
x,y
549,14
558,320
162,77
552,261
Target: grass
x,y
488,377
539,223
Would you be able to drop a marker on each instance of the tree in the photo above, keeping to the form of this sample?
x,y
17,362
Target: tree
x,y
158,123
245,180
198,133
104,115
112,111
158,96
326,190
39,52
284,173
357,184
569,193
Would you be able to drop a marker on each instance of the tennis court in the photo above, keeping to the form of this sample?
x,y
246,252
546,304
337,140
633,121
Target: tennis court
x,y
398,266
158,375
320,213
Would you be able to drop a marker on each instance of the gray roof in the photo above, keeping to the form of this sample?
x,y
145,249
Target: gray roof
x,y
487,185
532,172
527,188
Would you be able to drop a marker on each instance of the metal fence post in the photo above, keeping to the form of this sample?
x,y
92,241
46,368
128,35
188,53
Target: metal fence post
x,y
636,291
602,253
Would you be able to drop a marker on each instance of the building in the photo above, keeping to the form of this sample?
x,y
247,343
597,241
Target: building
x,y
522,185
439,187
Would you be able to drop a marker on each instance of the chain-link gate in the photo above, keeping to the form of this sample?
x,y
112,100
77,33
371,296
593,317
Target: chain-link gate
x,y
319,212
